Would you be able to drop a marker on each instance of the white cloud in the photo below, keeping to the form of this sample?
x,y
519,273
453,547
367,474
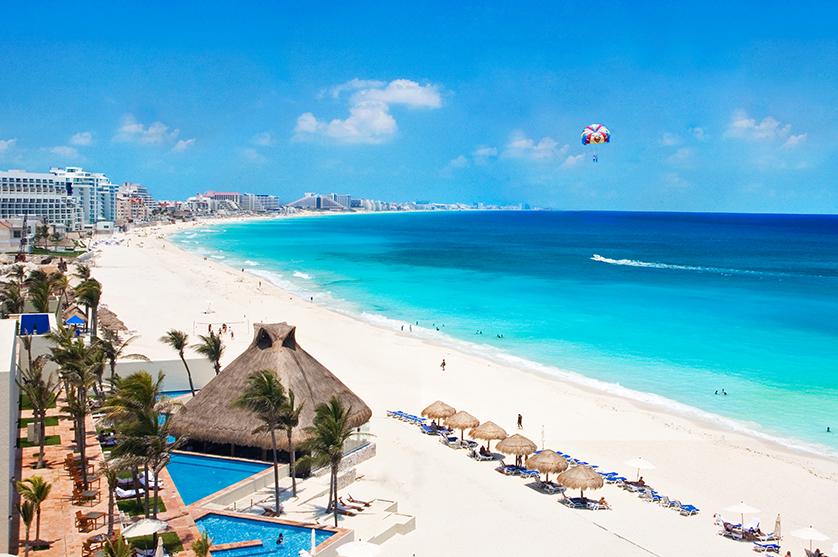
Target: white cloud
x,y
136,132
669,139
681,156
252,155
700,134
794,140
264,139
458,162
183,144
369,119
7,144
522,147
484,153
81,138
742,126
572,160
64,151
675,181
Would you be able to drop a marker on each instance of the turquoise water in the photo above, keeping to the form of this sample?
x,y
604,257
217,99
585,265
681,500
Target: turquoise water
x,y
199,476
669,308
226,529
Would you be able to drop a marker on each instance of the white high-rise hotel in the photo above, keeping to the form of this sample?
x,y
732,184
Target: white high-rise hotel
x,y
71,196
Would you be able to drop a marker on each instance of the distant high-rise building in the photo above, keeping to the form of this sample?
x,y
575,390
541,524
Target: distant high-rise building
x,y
39,194
269,202
233,196
343,198
93,190
317,202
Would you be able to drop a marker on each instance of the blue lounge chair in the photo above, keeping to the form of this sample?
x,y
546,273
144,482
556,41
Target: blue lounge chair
x,y
508,470
524,473
688,510
767,547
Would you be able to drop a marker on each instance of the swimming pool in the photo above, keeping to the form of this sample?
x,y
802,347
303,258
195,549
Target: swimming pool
x,y
198,476
175,394
229,529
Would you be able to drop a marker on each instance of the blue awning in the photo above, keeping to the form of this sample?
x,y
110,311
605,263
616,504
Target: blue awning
x,y
75,320
34,324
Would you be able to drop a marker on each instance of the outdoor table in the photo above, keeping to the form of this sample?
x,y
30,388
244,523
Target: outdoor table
x,y
91,495
95,516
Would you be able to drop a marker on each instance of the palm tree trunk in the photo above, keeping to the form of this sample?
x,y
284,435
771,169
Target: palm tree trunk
x,y
42,438
26,543
113,370
335,483
38,522
156,492
293,465
110,511
94,320
135,475
83,436
276,472
188,374
145,488
217,367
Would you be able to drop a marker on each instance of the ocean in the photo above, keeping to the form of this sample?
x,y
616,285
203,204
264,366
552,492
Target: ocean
x,y
673,309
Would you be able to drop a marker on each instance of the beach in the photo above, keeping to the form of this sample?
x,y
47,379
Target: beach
x,y
462,506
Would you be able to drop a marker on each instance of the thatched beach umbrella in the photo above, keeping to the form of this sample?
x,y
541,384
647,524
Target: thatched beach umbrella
x,y
517,445
547,462
209,416
581,478
488,431
439,410
462,421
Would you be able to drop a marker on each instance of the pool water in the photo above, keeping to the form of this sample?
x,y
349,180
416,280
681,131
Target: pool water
x,y
199,476
175,394
227,529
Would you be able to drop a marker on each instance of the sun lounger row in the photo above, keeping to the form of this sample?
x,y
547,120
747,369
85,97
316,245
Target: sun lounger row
x,y
405,417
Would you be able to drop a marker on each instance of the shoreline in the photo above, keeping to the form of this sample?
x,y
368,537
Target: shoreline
x,y
646,400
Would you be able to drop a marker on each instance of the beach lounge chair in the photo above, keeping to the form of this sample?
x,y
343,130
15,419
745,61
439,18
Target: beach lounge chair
x,y
508,469
572,502
449,440
769,547
524,473
732,531
549,488
688,510
127,493
482,457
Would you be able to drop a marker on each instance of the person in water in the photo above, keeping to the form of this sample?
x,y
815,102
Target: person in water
x,y
280,539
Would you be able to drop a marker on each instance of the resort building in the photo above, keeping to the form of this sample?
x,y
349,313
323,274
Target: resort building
x,y
133,203
317,202
268,202
14,234
94,191
8,429
39,194
232,196
259,203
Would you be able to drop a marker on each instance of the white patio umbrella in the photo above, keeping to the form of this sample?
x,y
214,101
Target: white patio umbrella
x,y
641,464
835,548
359,549
741,508
313,542
144,527
810,534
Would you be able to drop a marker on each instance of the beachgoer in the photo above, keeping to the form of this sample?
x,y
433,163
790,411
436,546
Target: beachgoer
x,y
260,284
232,336
640,482
280,539
717,392
828,430
209,328
442,365
520,421
603,503
411,328
402,328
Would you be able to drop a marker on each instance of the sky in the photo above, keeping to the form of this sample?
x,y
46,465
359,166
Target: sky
x,y
711,106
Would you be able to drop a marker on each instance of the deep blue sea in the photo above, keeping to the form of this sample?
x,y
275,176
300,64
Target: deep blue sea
x,y
672,306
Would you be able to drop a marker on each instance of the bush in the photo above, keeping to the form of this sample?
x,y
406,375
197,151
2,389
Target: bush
x,y
129,506
171,542
50,420
23,442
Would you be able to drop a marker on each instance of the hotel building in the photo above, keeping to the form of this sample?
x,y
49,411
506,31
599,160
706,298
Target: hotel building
x,y
41,195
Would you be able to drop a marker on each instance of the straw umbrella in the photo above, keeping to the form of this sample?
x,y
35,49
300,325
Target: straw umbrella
x,y
811,535
517,445
439,410
547,461
581,478
461,420
488,431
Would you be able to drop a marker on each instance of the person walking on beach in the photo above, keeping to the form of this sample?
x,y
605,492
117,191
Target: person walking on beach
x,y
442,365
520,421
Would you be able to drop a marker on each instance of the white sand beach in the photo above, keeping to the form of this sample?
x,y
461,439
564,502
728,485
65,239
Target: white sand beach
x,y
463,507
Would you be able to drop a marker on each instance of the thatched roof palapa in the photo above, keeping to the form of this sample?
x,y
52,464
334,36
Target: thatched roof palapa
x,y
547,462
439,410
516,444
210,416
488,431
581,477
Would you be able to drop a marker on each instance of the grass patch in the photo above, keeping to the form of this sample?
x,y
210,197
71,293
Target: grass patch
x,y
130,507
171,542
50,420
44,251
23,442
25,404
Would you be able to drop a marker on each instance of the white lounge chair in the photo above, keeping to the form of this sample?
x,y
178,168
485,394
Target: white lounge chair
x,y
127,493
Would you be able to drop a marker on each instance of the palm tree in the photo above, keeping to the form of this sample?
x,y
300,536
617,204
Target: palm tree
x,y
113,348
42,233
179,340
42,391
211,348
264,396
327,436
139,412
89,293
36,491
289,418
13,297
82,272
39,288
111,470
60,285
202,545
27,515
119,547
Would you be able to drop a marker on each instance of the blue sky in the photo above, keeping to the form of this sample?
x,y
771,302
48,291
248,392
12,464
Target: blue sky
x,y
712,107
